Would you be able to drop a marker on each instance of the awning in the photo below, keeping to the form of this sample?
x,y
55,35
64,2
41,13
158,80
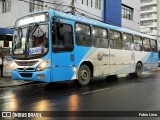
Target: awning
x,y
6,34
5,31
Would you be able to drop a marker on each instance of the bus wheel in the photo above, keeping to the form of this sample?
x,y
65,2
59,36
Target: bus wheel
x,y
84,75
138,72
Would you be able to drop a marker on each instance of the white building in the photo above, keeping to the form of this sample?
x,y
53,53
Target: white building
x,y
150,17
13,9
131,14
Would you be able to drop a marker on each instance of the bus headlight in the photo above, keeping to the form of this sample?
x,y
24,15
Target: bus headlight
x,y
74,69
43,65
13,66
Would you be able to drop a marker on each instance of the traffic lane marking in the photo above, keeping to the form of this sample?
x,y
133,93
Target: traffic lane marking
x,y
99,90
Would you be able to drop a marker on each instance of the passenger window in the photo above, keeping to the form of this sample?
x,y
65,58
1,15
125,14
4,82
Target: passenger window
x,y
100,37
115,39
154,45
64,37
138,43
83,35
146,44
127,41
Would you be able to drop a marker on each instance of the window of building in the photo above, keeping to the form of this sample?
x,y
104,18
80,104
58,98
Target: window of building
x,y
145,1
115,40
6,6
154,45
127,41
36,5
82,1
146,44
138,46
91,3
83,35
127,12
88,3
100,37
98,4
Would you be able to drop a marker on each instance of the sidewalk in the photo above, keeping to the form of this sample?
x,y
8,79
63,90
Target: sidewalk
x,y
8,82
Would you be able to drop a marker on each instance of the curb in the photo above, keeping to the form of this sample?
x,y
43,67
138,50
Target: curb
x,y
17,84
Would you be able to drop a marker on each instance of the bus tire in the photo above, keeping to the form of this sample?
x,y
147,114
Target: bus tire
x,y
84,75
138,71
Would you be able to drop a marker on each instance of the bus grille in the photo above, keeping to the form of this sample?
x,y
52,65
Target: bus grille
x,y
27,69
26,75
26,63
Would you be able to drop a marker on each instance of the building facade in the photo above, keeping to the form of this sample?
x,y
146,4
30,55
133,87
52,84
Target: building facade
x,y
150,17
131,14
125,13
13,9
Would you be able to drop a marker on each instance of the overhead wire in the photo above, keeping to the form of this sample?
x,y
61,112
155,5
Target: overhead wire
x,y
83,14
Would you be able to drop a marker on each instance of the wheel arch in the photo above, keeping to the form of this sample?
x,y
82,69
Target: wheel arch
x,y
90,65
140,63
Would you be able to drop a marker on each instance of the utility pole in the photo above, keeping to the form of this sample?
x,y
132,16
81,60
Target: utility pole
x,y
158,23
72,7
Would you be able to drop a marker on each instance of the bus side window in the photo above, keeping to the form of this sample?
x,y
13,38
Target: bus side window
x,y
138,43
60,35
146,44
100,37
83,35
154,45
115,39
64,36
127,41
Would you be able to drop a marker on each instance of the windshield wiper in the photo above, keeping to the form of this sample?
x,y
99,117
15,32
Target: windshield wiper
x,y
30,31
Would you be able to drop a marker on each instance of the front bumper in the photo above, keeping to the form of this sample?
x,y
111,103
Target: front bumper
x,y
32,76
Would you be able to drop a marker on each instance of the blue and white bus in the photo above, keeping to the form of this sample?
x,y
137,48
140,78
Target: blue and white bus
x,y
53,46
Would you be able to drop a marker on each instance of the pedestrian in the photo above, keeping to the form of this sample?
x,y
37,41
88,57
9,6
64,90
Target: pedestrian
x,y
1,62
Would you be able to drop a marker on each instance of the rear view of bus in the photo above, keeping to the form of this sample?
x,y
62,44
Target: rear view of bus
x,y
31,47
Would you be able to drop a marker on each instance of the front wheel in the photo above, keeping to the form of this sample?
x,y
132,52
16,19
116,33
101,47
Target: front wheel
x,y
84,75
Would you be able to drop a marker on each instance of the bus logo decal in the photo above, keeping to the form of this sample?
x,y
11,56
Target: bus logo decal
x,y
100,56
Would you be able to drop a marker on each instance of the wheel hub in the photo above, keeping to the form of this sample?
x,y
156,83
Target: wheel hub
x,y
84,75
139,70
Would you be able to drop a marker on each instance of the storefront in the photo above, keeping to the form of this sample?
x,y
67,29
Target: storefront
x,y
6,47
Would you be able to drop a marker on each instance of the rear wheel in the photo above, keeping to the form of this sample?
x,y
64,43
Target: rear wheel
x,y
84,75
138,72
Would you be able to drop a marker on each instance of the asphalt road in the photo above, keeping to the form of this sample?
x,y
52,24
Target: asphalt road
x,y
123,94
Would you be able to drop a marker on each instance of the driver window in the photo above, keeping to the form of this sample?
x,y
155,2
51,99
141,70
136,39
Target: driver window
x,y
64,37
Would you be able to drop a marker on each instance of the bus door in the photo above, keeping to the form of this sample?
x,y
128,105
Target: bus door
x,y
63,54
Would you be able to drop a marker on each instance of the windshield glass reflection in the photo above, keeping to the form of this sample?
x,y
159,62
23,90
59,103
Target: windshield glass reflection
x,y
30,42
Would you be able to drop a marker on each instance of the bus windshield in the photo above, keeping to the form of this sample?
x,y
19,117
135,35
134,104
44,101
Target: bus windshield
x,y
30,41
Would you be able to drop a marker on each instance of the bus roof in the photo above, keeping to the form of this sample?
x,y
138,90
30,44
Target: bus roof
x,y
100,24
93,22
